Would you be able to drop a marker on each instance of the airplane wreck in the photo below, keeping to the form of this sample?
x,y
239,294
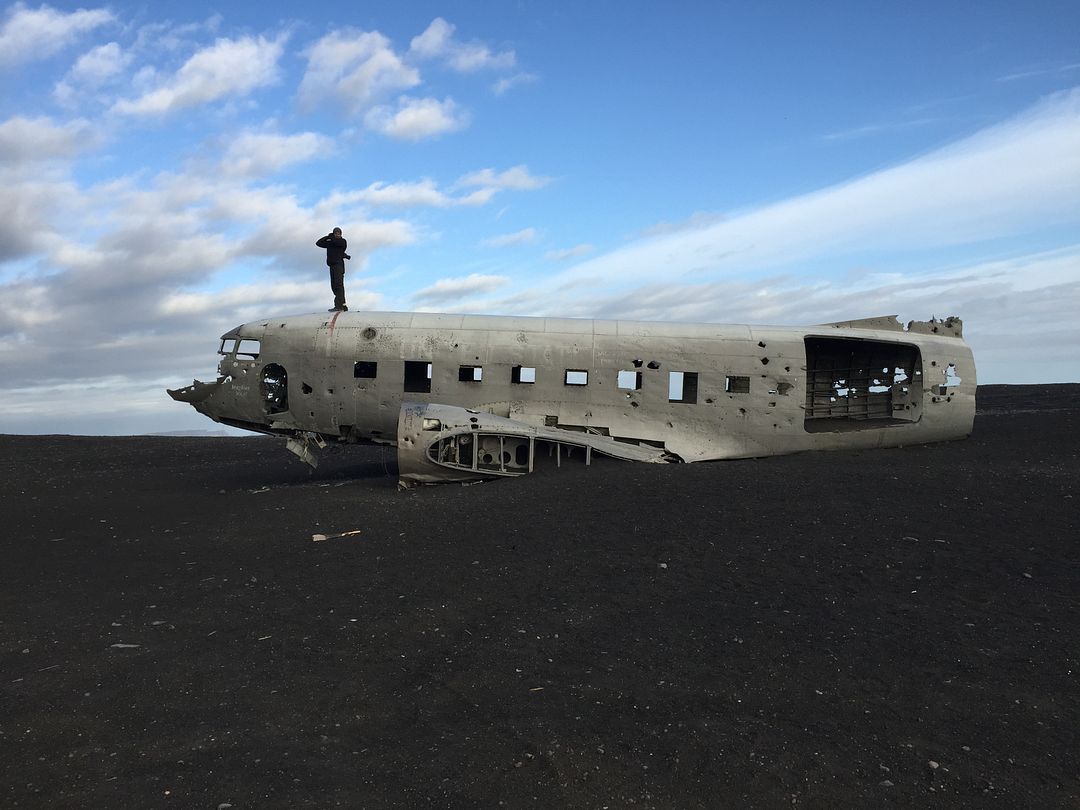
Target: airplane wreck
x,y
469,397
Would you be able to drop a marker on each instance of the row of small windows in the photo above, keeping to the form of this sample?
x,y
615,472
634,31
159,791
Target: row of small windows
x,y
682,385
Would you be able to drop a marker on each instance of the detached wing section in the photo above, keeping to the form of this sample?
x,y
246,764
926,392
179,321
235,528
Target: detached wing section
x,y
444,443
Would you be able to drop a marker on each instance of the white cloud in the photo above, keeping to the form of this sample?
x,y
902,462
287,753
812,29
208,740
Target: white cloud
x,y
279,227
35,200
876,129
437,42
516,177
1018,312
354,69
168,36
416,118
408,195
698,219
226,68
93,69
568,253
28,34
258,154
1007,180
256,300
524,236
24,305
100,63
507,83
1040,71
448,289
25,140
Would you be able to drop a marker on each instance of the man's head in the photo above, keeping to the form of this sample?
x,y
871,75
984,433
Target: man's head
x,y
337,231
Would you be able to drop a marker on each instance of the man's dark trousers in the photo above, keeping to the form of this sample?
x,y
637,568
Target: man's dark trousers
x,y
337,283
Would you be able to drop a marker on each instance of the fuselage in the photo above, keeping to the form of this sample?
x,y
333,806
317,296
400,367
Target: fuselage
x,y
700,391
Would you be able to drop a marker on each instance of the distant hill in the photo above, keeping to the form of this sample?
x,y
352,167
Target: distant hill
x,y
200,433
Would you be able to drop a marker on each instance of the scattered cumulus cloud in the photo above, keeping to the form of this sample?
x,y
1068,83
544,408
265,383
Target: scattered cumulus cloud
x,y
280,228
93,69
27,140
24,305
516,177
287,296
450,289
258,154
522,237
226,68
33,196
33,34
438,42
354,69
100,63
415,119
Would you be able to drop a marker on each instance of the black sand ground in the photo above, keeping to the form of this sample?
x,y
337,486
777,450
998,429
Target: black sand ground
x,y
855,629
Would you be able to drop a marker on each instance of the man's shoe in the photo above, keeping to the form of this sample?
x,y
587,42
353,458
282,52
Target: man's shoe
x,y
344,308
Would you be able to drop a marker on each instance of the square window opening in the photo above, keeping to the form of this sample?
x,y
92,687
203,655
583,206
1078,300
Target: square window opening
x,y
365,369
629,380
576,376
417,376
683,387
736,385
523,375
470,373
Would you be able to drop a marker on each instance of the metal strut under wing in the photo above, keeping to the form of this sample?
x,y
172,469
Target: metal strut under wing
x,y
444,443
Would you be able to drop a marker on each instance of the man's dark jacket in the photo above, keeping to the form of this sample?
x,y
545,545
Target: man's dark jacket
x,y
335,248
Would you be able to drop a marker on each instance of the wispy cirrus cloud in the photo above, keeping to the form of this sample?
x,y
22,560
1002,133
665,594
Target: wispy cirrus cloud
x,y
876,129
1053,70
575,252
1008,179
522,237
507,83
421,193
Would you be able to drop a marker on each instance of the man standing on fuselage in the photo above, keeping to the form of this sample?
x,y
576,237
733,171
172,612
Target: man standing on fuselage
x,y
335,259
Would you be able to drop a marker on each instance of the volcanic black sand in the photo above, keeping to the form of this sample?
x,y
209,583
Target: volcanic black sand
x,y
850,629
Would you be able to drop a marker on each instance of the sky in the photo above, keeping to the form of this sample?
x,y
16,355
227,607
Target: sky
x,y
165,169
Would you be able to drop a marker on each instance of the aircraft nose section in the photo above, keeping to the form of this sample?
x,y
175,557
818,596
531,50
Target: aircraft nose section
x,y
196,392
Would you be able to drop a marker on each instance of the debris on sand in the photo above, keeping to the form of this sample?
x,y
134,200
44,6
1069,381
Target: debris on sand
x,y
119,646
318,538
